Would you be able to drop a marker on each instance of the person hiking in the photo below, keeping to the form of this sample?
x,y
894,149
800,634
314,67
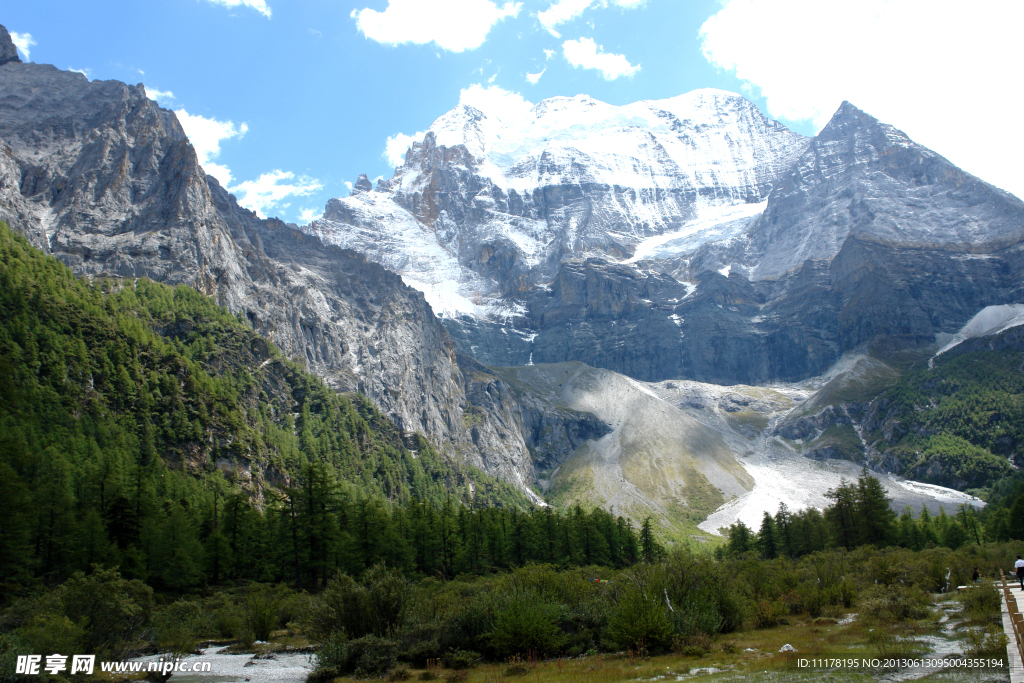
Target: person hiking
x,y
1019,567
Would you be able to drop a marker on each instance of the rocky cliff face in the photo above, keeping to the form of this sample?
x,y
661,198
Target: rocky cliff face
x,y
687,238
489,205
99,176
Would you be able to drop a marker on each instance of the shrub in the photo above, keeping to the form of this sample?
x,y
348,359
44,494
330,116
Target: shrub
x,y
895,604
113,610
387,596
640,622
768,613
331,658
982,600
460,659
178,625
988,642
342,606
10,648
48,633
418,650
260,616
371,656
526,624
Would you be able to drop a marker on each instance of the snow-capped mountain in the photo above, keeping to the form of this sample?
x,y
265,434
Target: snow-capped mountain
x,y
488,204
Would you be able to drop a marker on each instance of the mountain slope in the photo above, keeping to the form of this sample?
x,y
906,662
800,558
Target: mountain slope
x,y
488,205
99,176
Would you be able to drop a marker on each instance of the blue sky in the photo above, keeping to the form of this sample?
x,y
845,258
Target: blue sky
x,y
289,100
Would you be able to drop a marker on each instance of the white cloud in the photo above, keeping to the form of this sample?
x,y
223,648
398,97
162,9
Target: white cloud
x,y
206,134
348,185
267,192
87,72
548,54
496,102
398,145
157,95
261,195
943,73
455,25
258,5
587,54
307,216
493,100
24,43
533,78
563,11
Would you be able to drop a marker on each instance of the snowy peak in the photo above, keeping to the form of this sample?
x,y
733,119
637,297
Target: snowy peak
x,y
497,194
863,178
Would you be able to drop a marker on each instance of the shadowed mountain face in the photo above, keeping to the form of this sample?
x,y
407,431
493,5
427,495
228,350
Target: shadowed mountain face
x,y
866,236
102,178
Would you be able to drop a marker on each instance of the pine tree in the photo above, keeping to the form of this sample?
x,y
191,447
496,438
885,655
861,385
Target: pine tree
x,y
767,538
874,510
650,550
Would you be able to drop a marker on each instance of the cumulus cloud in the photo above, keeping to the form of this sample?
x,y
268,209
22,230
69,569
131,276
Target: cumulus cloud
x,y
937,71
533,78
268,191
562,11
492,100
158,95
258,5
24,43
397,145
206,134
454,25
261,195
307,216
496,102
585,53
548,54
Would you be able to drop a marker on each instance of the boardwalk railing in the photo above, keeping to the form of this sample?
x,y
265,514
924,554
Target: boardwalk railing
x,y
1016,619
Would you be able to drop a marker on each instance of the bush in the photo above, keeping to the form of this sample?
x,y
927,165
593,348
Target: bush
x,y
177,627
981,600
768,613
386,599
48,633
371,656
342,606
990,642
113,610
638,622
526,624
10,648
895,604
330,659
260,616
460,659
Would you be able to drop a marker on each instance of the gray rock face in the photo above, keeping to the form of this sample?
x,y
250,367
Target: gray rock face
x,y
8,51
865,179
489,205
755,256
869,236
99,176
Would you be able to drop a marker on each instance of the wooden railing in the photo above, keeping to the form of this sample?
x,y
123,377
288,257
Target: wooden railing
x,y
1015,617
